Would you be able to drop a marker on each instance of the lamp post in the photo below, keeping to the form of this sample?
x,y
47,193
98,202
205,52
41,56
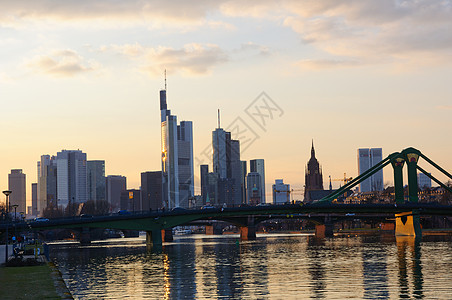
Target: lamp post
x,y
15,207
7,193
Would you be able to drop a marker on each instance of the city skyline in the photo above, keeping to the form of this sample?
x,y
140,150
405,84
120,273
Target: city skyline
x,y
354,76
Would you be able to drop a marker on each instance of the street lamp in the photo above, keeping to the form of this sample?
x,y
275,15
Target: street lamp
x,y
15,207
7,193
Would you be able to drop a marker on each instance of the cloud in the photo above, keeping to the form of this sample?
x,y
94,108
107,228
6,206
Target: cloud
x,y
141,11
191,59
319,64
444,107
361,32
61,63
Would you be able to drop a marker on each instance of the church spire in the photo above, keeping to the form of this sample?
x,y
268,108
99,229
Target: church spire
x,y
312,150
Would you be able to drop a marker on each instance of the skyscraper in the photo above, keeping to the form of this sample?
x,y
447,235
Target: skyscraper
x,y
47,183
114,186
177,186
204,171
257,165
34,199
151,190
226,163
367,158
424,181
96,180
17,184
185,162
72,185
243,173
254,188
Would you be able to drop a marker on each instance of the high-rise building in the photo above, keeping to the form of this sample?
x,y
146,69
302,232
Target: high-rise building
x,y
226,163
424,181
115,185
185,162
174,139
96,180
47,189
17,184
34,199
281,192
151,190
204,172
254,188
243,173
131,200
213,197
367,158
72,185
257,165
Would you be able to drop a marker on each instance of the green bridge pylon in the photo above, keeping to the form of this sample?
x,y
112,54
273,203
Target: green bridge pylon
x,y
407,223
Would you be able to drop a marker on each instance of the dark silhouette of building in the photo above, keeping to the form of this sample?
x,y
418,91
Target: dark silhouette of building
x,y
313,175
151,189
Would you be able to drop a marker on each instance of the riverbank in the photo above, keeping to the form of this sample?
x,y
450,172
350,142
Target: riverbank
x,y
33,282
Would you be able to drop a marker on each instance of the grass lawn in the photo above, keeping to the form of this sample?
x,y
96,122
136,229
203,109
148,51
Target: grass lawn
x,y
35,282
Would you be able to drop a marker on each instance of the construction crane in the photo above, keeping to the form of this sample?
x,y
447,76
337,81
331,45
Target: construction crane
x,y
345,180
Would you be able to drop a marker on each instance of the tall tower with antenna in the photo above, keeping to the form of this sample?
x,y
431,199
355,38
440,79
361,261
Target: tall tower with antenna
x,y
176,157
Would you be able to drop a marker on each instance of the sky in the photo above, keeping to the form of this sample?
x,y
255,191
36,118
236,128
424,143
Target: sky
x,y
86,75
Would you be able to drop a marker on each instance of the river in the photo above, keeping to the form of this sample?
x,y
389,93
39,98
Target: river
x,y
279,266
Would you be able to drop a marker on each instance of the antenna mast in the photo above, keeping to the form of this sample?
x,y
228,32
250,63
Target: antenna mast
x,y
219,118
165,79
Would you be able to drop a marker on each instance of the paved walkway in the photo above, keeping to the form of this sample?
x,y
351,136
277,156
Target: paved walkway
x,y
2,252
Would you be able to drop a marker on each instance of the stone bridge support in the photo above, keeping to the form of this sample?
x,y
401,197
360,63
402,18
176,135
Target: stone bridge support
x,y
156,237
248,232
324,230
85,236
153,239
214,229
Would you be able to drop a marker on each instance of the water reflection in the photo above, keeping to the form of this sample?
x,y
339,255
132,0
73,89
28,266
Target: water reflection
x,y
286,266
409,259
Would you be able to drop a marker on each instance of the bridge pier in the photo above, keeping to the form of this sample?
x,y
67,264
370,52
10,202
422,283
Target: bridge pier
x,y
167,235
408,224
324,230
248,233
85,236
153,239
214,229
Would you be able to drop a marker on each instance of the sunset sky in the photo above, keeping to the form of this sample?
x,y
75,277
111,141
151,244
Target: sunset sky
x,y
86,75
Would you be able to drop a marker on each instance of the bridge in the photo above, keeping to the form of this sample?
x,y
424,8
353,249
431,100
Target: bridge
x,y
406,213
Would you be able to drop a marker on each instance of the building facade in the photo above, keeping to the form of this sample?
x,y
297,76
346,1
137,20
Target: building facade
x,y
17,185
47,189
367,158
281,192
34,199
423,181
177,168
257,166
96,180
254,188
151,190
130,200
72,184
115,184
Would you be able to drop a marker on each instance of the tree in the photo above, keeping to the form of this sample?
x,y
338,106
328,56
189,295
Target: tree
x,y
92,207
52,211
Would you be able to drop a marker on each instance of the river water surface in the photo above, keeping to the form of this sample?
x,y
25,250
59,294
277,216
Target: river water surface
x,y
272,267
